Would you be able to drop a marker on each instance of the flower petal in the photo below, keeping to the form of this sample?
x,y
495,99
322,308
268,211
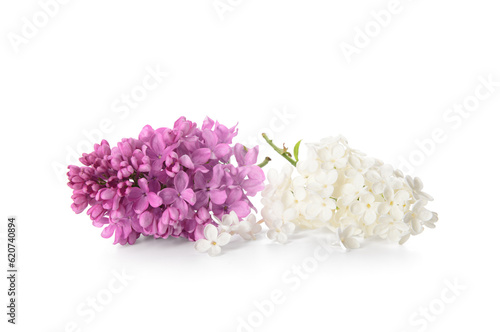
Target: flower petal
x,y
143,184
108,231
351,243
288,227
223,239
189,196
214,250
357,208
221,150
370,217
107,194
202,245
146,133
218,196
282,238
168,195
141,205
181,181
201,156
210,138
210,232
135,193
146,219
241,208
185,161
157,143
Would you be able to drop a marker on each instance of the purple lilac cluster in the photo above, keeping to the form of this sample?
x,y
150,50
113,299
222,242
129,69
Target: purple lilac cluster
x,y
167,182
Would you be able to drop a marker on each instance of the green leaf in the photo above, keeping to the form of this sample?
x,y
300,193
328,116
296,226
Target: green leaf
x,y
296,150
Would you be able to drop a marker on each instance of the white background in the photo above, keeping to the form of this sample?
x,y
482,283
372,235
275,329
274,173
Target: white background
x,y
264,58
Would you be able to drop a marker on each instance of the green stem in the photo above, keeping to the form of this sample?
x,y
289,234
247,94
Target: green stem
x,y
282,152
265,162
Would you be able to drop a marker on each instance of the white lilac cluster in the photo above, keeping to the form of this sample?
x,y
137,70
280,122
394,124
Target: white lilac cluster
x,y
220,235
342,189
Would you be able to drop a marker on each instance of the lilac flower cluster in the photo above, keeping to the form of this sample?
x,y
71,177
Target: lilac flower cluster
x,y
168,182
